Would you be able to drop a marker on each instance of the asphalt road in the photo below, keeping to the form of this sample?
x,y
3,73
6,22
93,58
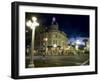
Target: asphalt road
x,y
56,61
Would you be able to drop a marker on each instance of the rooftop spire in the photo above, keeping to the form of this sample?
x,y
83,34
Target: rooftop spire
x,y
54,21
54,25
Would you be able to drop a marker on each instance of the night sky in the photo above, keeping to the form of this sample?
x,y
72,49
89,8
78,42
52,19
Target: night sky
x,y
72,25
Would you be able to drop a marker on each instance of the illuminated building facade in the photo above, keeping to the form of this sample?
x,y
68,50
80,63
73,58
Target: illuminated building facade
x,y
50,40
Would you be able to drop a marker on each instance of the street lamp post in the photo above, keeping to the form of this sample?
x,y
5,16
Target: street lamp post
x,y
32,24
46,39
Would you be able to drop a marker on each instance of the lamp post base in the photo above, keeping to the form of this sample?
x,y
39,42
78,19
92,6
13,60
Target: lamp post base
x,y
31,65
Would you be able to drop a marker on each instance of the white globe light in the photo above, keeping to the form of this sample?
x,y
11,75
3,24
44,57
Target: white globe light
x,y
34,19
37,24
54,45
29,23
45,39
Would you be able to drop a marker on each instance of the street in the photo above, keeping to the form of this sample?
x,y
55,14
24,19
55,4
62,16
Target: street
x,y
56,61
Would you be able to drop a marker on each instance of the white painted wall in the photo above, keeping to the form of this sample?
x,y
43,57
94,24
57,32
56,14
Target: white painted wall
x,y
5,40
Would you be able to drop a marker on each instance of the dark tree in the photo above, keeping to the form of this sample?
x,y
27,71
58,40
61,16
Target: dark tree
x,y
85,41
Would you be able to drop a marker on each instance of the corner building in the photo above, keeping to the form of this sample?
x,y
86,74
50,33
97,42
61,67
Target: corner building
x,y
50,40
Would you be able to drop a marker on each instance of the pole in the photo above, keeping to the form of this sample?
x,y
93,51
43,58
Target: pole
x,y
31,65
32,25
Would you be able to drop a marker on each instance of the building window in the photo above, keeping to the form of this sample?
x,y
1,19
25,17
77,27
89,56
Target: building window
x,y
54,41
54,36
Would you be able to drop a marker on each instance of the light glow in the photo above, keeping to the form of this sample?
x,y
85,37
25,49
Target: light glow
x,y
29,23
45,39
34,19
33,24
54,45
78,42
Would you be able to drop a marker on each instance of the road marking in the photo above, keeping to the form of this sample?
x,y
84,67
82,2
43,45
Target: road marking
x,y
85,62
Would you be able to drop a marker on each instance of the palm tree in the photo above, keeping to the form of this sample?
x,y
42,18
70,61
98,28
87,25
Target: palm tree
x,y
85,41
